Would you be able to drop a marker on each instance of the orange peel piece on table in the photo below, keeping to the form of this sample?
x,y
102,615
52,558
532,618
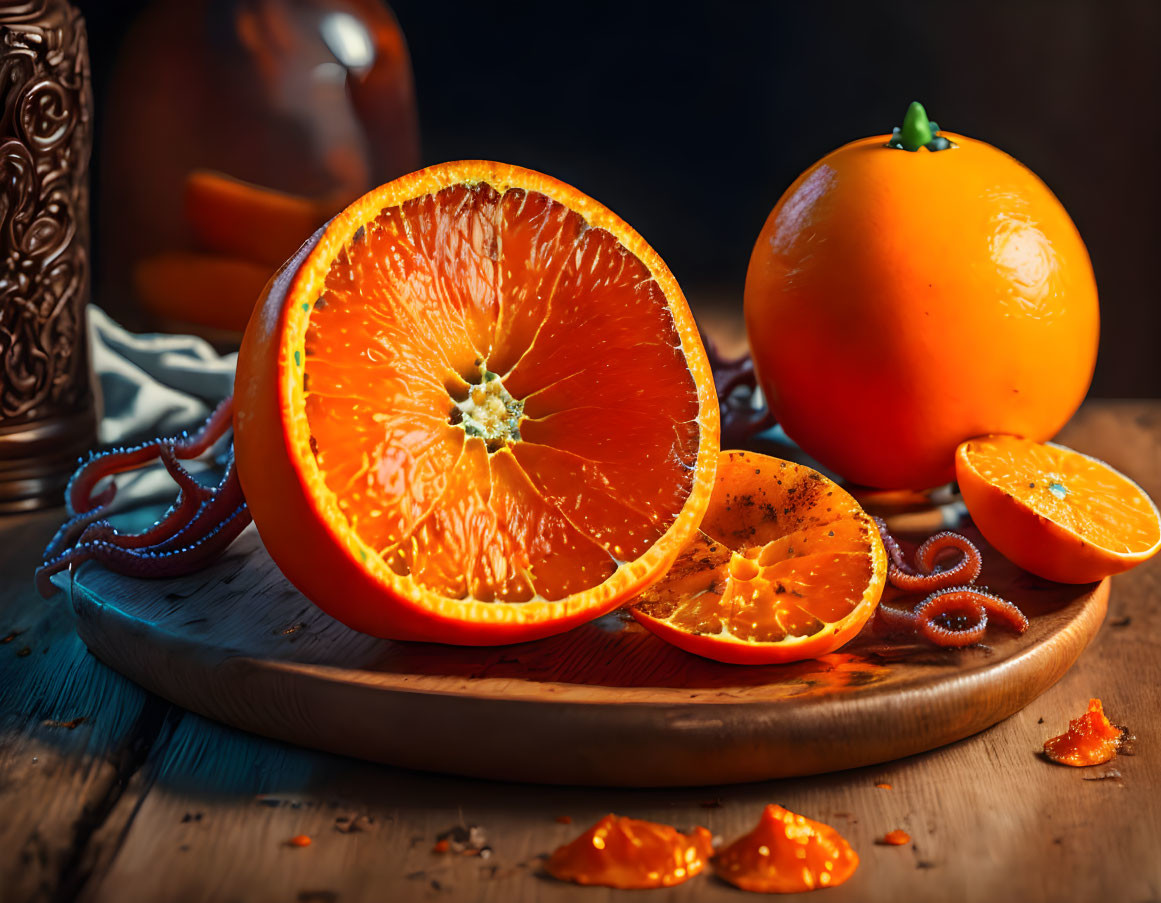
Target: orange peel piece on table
x,y
629,853
786,853
1090,739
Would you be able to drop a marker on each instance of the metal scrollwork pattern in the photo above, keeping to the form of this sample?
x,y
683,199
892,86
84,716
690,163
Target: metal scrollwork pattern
x,y
45,141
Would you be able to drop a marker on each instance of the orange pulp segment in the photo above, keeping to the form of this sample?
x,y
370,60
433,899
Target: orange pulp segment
x,y
1090,739
496,401
785,854
1054,511
786,566
628,853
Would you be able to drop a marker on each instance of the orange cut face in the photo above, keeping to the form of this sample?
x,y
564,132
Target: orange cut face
x,y
1056,512
504,445
495,400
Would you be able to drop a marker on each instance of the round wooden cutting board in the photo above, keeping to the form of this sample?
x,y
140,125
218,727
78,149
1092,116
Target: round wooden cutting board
x,y
605,704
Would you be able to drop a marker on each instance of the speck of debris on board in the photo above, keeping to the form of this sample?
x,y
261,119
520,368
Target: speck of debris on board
x,y
564,819
191,816
67,725
1121,622
299,840
24,652
10,637
469,841
714,803
346,824
1111,775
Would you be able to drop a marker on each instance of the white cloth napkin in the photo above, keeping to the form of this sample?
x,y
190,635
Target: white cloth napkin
x,y
153,385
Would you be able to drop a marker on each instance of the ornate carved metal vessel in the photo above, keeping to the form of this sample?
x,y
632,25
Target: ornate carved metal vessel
x,y
47,413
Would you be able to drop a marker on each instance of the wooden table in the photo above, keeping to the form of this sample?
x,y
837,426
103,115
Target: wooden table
x,y
108,793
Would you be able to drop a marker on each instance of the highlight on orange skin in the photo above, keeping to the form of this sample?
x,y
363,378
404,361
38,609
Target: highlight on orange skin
x,y
1090,739
785,854
629,853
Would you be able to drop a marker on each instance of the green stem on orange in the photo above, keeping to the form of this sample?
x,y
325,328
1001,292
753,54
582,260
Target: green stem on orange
x,y
918,131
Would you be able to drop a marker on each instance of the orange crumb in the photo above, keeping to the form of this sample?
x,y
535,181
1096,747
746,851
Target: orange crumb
x,y
441,846
564,819
896,838
299,840
1090,739
883,786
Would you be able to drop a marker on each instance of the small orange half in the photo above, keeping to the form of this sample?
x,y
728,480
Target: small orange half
x,y
1056,512
786,566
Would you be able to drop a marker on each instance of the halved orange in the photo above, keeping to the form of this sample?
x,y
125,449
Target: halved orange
x,y
1056,512
786,566
474,409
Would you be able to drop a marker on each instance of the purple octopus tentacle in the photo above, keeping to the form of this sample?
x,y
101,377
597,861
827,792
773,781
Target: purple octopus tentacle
x,y
147,562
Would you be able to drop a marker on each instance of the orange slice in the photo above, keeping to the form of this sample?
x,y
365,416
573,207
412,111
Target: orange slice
x,y
786,566
1055,512
474,410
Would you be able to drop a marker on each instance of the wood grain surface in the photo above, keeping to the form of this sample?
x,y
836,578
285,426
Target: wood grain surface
x,y
238,643
145,801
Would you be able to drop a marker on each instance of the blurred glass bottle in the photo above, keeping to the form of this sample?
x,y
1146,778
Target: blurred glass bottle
x,y
308,102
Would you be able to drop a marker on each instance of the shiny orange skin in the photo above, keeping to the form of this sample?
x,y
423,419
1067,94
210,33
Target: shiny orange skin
x,y
898,303
307,544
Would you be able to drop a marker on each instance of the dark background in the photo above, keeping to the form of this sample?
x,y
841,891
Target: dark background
x,y
690,119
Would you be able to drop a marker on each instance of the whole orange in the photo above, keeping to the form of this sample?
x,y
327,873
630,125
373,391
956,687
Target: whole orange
x,y
899,302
